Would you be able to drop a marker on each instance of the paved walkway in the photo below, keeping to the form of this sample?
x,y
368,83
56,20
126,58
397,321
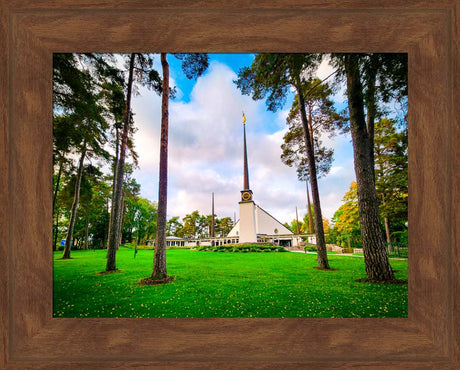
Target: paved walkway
x,y
334,254
345,254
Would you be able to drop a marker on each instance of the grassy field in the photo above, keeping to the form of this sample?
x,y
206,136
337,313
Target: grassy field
x,y
210,284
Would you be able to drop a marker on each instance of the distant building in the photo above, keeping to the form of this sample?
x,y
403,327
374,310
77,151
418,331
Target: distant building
x,y
171,241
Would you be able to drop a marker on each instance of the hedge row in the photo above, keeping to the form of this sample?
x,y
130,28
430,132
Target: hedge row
x,y
242,248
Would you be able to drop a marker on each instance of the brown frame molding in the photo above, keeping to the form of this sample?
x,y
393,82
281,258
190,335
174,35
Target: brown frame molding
x,y
32,30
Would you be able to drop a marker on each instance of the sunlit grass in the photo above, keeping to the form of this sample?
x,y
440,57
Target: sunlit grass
x,y
209,284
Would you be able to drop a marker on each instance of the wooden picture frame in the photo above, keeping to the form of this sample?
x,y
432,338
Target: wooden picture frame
x,y
32,30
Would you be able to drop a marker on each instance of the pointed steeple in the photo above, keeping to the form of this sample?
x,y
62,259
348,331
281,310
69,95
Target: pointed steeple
x,y
246,170
246,193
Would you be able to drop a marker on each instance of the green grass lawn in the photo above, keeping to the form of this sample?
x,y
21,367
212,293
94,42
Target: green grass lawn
x,y
211,284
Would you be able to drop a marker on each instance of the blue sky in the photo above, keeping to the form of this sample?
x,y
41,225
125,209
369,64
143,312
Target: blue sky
x,y
206,147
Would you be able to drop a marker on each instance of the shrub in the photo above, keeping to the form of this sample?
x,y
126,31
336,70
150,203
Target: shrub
x,y
242,248
138,247
130,245
310,248
401,237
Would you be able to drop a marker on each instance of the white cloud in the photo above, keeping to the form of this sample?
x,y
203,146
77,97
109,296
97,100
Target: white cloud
x,y
206,152
324,71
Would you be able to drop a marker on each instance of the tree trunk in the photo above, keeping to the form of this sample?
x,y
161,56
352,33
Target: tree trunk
x,y
371,108
73,212
297,221
311,227
56,231
120,220
116,203
114,180
86,231
323,262
159,259
138,238
375,255
387,229
56,189
106,226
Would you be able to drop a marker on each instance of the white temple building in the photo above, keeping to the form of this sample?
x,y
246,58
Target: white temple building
x,y
254,226
257,226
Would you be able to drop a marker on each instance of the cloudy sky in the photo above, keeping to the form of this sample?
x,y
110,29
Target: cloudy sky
x,y
206,147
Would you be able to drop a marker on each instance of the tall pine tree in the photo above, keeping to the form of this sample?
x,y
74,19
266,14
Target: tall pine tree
x,y
273,75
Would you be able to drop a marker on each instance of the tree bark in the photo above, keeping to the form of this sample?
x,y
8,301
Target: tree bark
x,y
120,220
106,226
310,125
387,229
311,226
371,108
114,180
86,231
56,230
323,262
159,258
56,190
116,203
375,255
73,212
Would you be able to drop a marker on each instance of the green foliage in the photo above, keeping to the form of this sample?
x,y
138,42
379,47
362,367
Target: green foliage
x,y
293,226
143,217
174,227
401,237
130,245
324,120
310,248
242,248
195,225
346,219
391,171
223,285
272,75
391,186
138,247
193,64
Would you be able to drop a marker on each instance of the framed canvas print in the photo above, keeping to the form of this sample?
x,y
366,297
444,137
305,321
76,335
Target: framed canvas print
x,y
213,152
40,327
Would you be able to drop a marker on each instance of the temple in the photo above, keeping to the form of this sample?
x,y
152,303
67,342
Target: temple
x,y
255,224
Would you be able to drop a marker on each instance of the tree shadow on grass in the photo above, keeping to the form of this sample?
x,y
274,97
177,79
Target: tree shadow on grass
x,y
394,281
108,272
151,281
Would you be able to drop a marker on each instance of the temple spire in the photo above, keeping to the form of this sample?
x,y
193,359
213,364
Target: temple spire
x,y
246,171
246,193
